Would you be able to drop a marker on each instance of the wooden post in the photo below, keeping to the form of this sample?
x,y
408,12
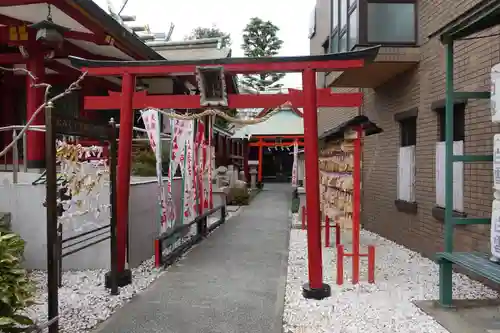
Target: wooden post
x,y
356,177
260,160
34,99
315,288
124,166
246,168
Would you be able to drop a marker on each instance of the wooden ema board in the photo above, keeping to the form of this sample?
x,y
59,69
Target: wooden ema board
x,y
336,165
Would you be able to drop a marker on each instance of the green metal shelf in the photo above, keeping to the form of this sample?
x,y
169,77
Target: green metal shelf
x,y
446,272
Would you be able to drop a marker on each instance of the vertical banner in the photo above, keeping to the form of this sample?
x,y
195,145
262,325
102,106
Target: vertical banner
x,y
151,121
181,158
189,195
211,162
295,163
200,165
171,209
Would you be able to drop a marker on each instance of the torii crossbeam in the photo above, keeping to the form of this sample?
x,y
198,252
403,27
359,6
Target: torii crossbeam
x,y
309,99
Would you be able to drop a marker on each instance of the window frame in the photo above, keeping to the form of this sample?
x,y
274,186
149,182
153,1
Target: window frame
x,y
363,23
350,11
458,122
408,131
407,121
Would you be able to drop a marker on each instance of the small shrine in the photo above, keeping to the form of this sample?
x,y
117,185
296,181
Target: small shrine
x,y
270,142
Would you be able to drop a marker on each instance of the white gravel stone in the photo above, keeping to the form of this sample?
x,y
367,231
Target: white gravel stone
x,y
402,276
83,300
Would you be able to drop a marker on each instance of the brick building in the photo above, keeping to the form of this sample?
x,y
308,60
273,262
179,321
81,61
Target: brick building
x,y
403,167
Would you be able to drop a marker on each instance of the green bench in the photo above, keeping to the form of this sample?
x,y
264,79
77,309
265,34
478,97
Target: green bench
x,y
474,262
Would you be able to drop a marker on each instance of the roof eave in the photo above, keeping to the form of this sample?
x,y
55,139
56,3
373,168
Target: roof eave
x,y
119,32
369,127
368,55
471,21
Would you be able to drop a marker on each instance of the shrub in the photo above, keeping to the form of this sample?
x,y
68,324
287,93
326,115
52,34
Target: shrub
x,y
144,163
144,170
16,290
238,196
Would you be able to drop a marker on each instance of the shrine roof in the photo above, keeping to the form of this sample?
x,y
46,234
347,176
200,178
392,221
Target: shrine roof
x,y
285,122
367,54
369,127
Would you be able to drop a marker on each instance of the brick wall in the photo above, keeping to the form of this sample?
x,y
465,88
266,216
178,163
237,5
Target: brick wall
x,y
419,88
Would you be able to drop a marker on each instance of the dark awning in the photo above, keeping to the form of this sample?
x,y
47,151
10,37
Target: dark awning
x,y
368,126
484,15
367,54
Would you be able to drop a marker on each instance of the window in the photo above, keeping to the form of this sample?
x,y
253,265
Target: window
x,y
335,13
406,159
408,131
458,149
458,122
343,13
353,29
326,46
334,43
312,24
398,22
343,42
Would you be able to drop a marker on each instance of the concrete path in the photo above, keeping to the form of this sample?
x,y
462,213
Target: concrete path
x,y
233,282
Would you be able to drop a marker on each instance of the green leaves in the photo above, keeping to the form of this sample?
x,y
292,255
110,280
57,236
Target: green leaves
x,y
212,32
260,39
16,290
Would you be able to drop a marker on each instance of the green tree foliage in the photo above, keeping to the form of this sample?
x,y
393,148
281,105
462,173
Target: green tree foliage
x,y
212,32
260,39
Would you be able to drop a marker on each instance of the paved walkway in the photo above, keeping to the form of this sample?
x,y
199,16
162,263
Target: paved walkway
x,y
233,282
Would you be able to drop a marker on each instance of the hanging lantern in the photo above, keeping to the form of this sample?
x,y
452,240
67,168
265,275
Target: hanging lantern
x,y
48,33
212,86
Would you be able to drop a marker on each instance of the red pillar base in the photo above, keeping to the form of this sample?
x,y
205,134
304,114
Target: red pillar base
x,y
316,293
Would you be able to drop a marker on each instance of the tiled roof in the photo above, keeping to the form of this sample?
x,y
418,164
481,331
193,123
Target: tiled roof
x,y
285,122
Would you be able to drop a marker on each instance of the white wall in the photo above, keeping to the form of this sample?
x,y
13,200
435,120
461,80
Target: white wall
x,y
25,202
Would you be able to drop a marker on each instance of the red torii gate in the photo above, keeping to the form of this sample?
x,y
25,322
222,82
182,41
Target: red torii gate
x,y
309,99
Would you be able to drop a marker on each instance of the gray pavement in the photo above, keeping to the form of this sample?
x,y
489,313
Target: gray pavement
x,y
232,282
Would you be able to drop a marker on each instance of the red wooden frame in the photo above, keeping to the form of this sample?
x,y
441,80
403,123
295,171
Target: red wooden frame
x,y
141,100
230,68
274,144
355,253
261,143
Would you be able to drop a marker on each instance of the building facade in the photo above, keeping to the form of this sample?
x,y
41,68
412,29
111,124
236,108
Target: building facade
x,y
404,89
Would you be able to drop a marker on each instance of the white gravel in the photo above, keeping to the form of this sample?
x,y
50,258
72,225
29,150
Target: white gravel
x,y
83,300
402,276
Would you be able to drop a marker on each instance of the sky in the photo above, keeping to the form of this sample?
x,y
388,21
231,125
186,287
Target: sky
x,y
231,16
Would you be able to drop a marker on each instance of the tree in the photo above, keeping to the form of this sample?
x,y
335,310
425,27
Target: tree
x,y
212,32
260,39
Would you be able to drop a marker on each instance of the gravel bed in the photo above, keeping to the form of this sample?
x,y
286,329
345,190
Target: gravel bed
x,y
402,276
83,300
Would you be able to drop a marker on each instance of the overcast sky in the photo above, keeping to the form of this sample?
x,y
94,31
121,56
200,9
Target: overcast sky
x,y
231,16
